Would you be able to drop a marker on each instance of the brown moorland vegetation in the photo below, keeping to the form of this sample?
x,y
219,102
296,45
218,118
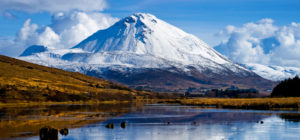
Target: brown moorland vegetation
x,y
243,103
22,81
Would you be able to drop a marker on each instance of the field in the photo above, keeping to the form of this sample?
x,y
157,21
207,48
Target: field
x,y
243,103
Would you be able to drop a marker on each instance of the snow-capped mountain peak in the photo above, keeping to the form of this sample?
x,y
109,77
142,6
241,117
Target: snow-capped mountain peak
x,y
144,34
140,46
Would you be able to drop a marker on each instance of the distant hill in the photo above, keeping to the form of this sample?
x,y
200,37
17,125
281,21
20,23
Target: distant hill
x,y
272,72
23,81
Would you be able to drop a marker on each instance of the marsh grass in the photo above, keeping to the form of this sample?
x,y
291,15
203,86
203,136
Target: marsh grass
x,y
244,103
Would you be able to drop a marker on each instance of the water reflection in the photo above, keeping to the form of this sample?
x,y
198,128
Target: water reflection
x,y
160,122
64,131
28,121
48,133
292,117
177,123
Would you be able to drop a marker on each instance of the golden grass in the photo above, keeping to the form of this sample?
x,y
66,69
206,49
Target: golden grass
x,y
244,103
23,81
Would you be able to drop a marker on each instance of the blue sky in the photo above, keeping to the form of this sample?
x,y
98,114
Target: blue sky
x,y
202,18
246,31
207,17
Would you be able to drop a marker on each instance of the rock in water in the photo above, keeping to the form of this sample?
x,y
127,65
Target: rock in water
x,y
48,133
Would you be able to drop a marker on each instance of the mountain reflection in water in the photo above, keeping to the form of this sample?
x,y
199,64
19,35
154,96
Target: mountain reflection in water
x,y
28,120
130,122
182,122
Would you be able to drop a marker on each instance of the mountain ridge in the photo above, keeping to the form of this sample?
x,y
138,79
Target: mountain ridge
x,y
273,72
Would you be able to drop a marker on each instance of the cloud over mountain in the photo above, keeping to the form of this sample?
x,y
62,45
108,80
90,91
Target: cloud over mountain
x,y
72,21
66,30
262,42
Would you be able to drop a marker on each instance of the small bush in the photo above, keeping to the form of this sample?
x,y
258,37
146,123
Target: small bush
x,y
2,92
287,88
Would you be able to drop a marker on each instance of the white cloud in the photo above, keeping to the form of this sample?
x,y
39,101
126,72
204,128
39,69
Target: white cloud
x,y
73,28
26,36
262,42
48,38
72,21
27,31
65,31
52,6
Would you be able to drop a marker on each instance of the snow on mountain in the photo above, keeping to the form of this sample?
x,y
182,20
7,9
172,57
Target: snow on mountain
x,y
33,50
144,34
143,43
142,40
274,73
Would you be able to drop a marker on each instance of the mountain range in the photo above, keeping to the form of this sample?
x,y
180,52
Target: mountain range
x,y
144,52
273,72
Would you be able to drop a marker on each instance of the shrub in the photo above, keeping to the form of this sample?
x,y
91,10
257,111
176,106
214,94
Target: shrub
x,y
2,91
287,88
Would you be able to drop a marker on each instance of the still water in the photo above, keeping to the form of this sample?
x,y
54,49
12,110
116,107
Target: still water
x,y
166,122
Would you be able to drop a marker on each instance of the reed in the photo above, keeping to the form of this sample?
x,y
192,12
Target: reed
x,y
244,103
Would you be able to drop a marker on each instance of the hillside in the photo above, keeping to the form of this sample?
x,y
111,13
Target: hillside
x,y
23,81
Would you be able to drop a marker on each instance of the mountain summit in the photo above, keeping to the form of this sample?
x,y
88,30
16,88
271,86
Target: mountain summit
x,y
144,34
144,41
143,51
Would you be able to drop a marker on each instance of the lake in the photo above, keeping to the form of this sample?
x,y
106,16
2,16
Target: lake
x,y
149,122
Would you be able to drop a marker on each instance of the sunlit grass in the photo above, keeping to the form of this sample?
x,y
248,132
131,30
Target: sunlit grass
x,y
245,103
22,81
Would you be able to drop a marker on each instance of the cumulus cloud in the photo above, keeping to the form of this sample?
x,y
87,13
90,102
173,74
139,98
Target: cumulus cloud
x,y
52,6
262,42
27,31
48,38
73,28
72,21
65,31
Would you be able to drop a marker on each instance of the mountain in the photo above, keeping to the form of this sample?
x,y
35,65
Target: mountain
x,y
23,81
274,73
33,50
145,52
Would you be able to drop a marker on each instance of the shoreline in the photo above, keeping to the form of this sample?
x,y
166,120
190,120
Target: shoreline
x,y
226,103
32,103
18,104
243,103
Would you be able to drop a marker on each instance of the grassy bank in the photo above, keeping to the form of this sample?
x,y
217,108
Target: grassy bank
x,y
23,82
90,102
243,103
